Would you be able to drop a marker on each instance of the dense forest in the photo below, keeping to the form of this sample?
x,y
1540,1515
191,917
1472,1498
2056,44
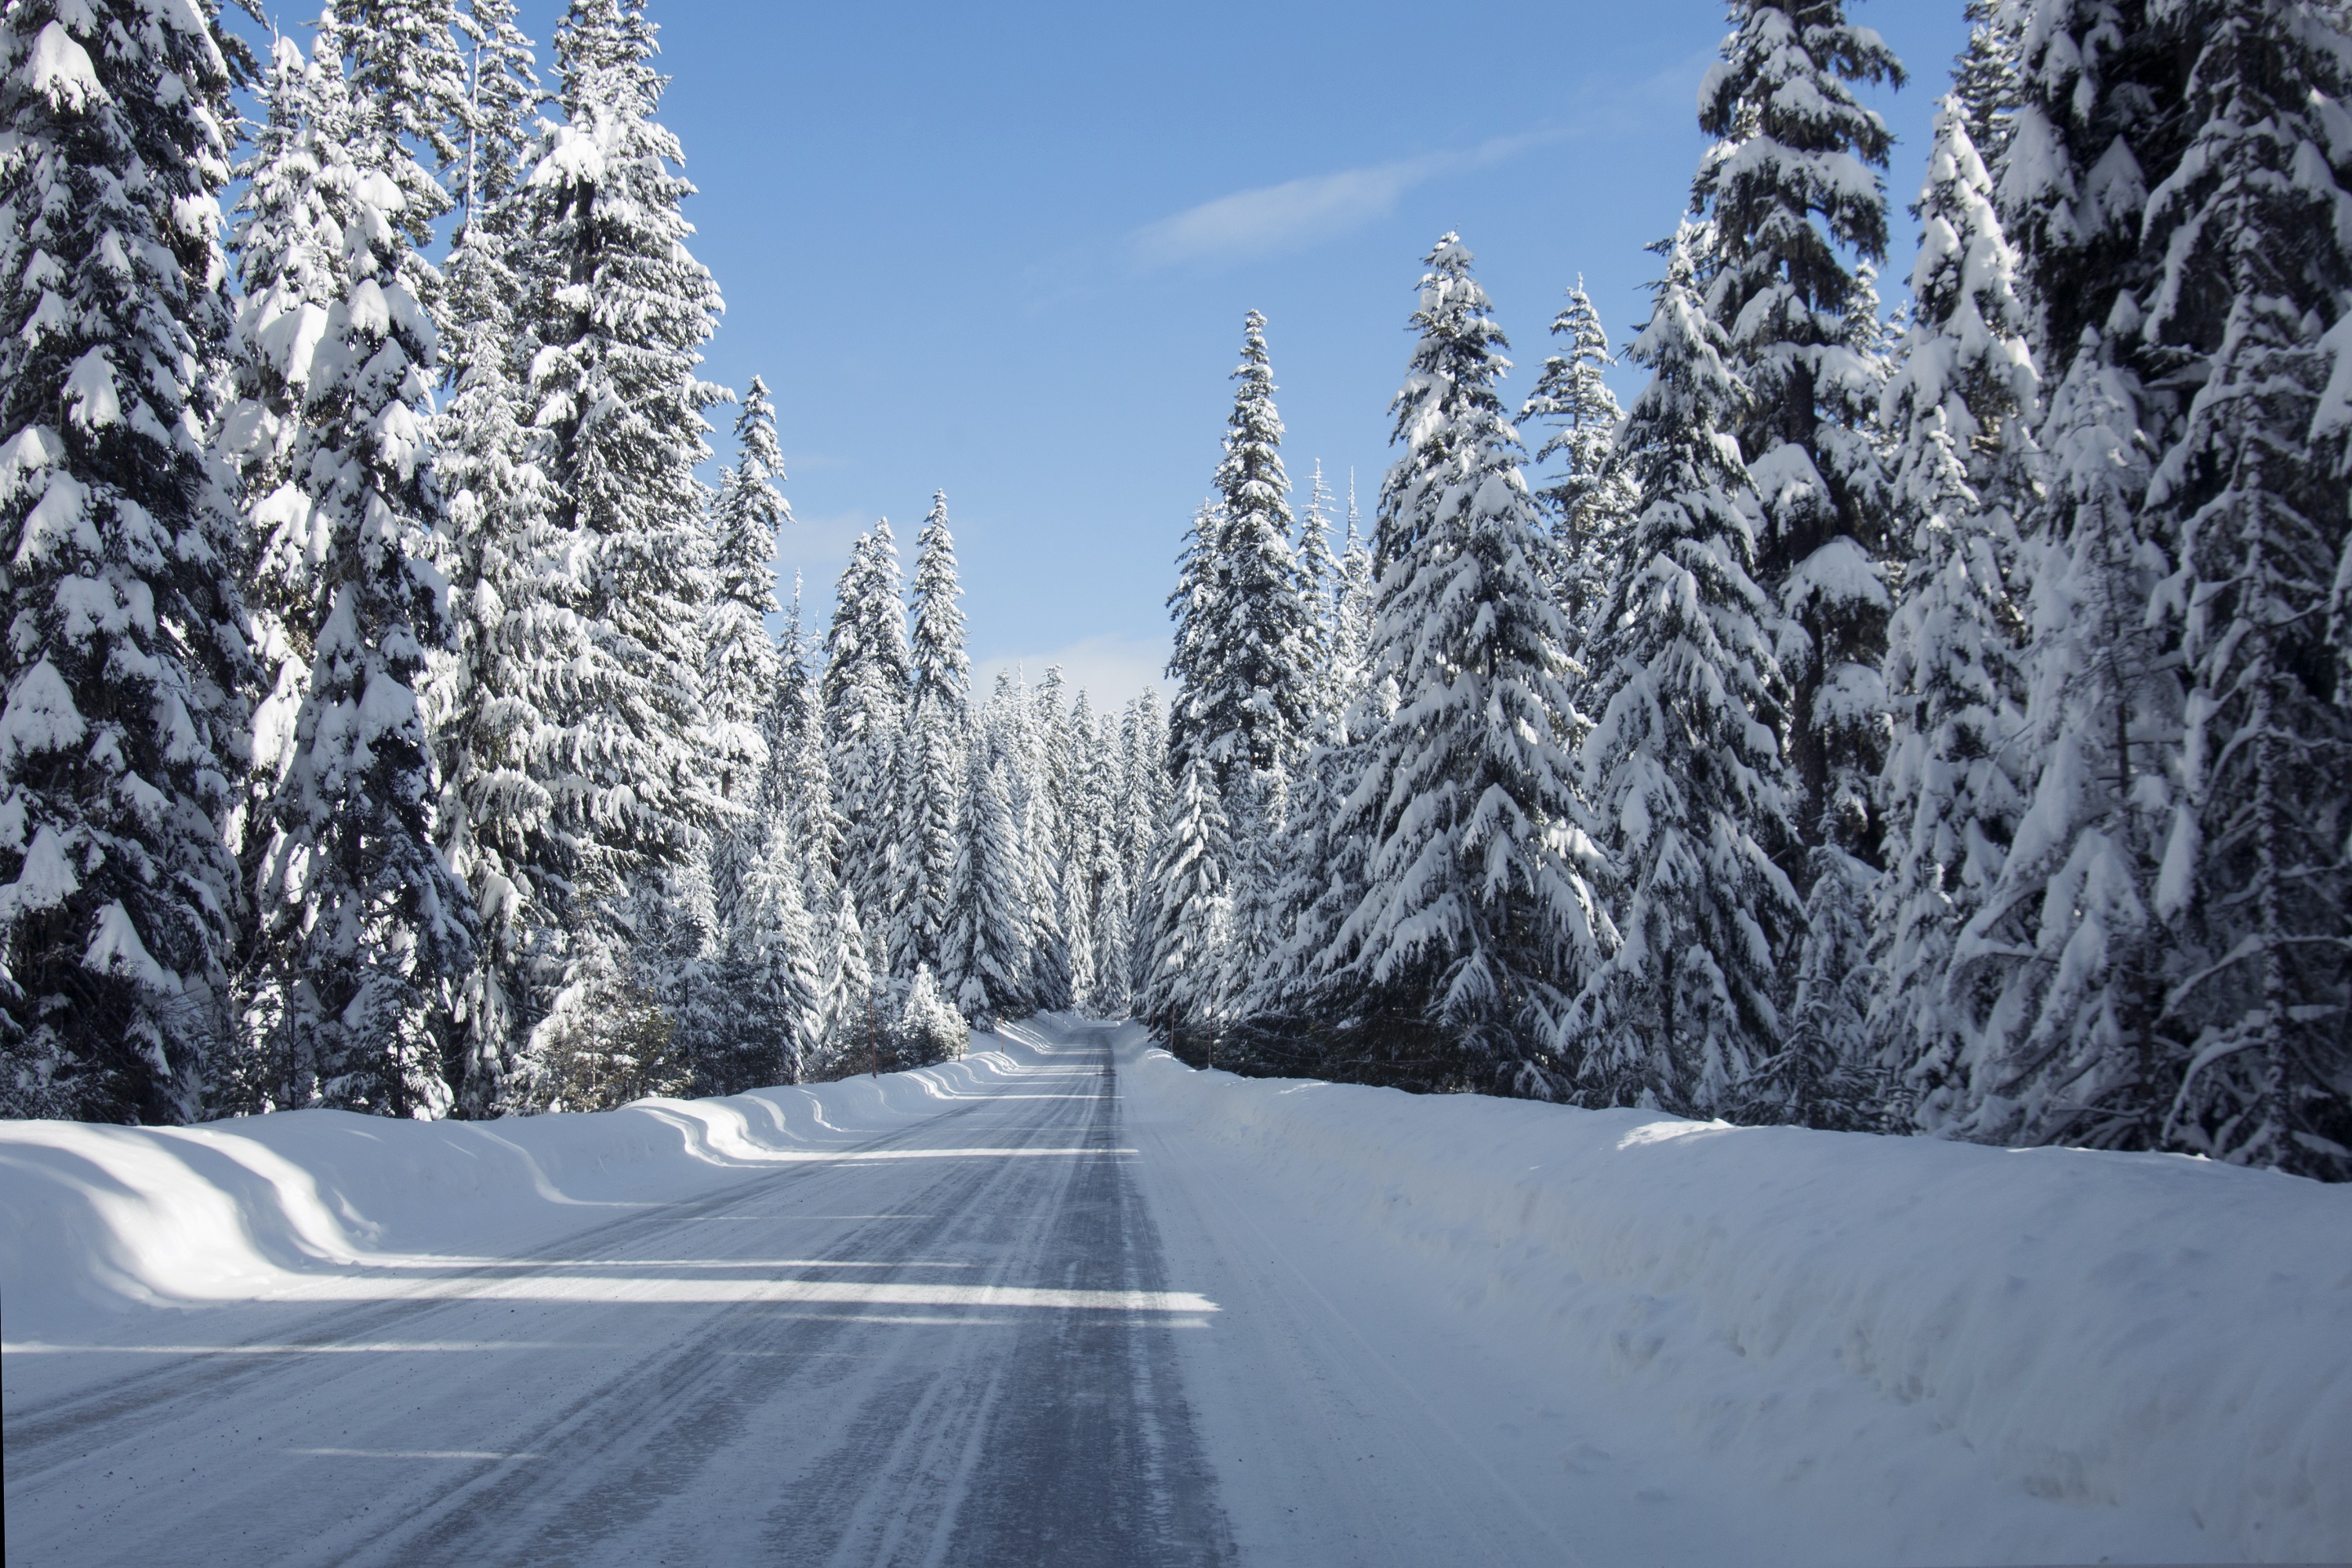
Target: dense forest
x,y
1932,720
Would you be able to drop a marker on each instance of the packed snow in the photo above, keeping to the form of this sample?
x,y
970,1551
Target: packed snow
x,y
1461,1328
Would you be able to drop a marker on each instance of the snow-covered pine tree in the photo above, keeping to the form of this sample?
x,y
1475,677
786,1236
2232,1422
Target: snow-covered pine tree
x,y
491,702
936,659
2058,966
988,912
845,996
365,935
1984,77
1352,599
773,987
1476,910
1142,803
124,668
931,761
1080,814
1681,766
1591,504
1318,582
864,693
741,667
2097,117
741,671
1102,872
2255,232
2058,971
619,312
1190,907
1038,741
1245,644
1792,189
1960,408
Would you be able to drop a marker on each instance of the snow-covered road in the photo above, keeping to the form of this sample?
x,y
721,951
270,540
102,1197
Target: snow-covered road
x,y
955,1344
1069,1303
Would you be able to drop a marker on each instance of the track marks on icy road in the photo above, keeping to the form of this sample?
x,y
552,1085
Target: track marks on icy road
x,y
1032,1426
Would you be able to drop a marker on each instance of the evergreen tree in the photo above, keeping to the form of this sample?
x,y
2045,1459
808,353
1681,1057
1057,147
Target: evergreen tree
x,y
1246,675
365,935
740,667
2254,884
1037,740
1472,915
2057,968
1179,998
863,694
124,663
932,759
772,983
1950,794
988,917
2058,974
1682,765
619,313
493,703
1319,580
1790,189
1591,504
1353,601
936,660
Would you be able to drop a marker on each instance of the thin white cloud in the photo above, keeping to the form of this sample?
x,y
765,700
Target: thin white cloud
x,y
1108,670
1297,213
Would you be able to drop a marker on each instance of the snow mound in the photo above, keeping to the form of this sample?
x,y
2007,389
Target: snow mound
x,y
96,1220
2152,1332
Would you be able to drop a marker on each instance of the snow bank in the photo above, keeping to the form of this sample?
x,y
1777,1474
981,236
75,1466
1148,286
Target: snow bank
x,y
95,1220
2145,1332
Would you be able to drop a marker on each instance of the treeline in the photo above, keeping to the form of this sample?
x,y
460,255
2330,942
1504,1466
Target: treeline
x,y
426,756
1937,726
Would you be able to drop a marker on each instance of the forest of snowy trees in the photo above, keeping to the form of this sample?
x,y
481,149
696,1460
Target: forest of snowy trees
x,y
1928,722
1933,725
393,719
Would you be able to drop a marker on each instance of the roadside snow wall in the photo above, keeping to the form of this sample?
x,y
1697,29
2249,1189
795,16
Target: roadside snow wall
x,y
2105,1329
97,1219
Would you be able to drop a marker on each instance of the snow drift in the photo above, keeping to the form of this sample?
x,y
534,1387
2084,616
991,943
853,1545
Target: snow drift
x,y
2150,1331
95,1220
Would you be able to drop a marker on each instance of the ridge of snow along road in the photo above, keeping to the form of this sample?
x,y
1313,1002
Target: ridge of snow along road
x,y
2149,1332
289,1205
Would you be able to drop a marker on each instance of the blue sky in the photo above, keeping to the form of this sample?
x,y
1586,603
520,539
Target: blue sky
x,y
1006,250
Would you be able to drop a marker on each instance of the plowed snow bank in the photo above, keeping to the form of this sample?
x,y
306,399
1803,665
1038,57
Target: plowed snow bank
x,y
2146,1332
105,1218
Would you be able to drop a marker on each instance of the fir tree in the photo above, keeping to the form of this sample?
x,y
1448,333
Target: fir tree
x,y
1247,678
493,701
2255,230
740,669
1472,914
1590,503
124,662
777,1006
988,914
931,774
620,312
2057,967
1790,189
1682,765
366,933
863,694
1950,792
1179,997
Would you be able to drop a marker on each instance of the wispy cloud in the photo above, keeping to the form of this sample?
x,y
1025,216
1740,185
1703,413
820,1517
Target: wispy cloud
x,y
1297,213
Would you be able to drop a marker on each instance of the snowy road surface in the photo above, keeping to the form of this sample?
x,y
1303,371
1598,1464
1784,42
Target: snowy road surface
x,y
1071,1304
